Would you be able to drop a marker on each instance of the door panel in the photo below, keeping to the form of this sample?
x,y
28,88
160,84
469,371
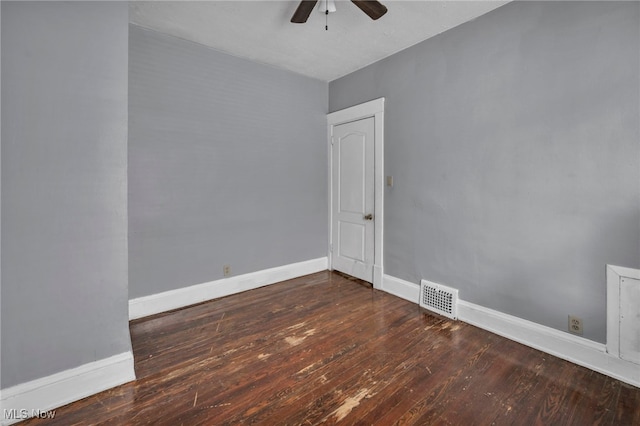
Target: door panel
x,y
353,198
352,165
352,241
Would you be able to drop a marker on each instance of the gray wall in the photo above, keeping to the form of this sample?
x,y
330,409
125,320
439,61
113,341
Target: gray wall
x,y
0,198
514,145
227,165
64,180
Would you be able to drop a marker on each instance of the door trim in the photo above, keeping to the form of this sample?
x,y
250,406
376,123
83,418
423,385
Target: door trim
x,y
375,109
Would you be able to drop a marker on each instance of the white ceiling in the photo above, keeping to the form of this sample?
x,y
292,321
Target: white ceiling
x,y
261,31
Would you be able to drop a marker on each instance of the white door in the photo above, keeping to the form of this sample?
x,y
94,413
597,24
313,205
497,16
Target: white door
x,y
353,193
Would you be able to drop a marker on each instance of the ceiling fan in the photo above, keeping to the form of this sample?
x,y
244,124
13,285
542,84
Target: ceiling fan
x,y
374,9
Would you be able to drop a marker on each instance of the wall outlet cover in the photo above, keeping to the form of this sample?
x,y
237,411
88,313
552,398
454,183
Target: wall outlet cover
x,y
575,325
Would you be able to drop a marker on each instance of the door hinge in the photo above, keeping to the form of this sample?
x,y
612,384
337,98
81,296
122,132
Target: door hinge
x,y
331,248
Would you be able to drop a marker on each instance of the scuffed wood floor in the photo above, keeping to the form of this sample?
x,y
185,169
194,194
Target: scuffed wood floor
x,y
329,349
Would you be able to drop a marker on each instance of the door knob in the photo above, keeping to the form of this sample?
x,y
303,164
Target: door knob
x,y
368,217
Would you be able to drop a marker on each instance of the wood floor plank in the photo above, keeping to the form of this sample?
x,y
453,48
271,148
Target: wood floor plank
x,y
627,408
327,349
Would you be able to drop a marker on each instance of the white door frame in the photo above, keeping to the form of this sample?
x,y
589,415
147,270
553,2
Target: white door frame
x,y
375,109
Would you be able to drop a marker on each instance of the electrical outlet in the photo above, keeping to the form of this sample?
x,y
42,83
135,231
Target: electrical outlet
x,y
575,325
226,270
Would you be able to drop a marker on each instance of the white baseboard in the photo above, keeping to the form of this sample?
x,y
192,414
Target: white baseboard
x,y
47,393
179,298
401,288
578,350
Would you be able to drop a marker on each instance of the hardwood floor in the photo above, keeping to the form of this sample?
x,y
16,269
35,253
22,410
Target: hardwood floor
x,y
326,349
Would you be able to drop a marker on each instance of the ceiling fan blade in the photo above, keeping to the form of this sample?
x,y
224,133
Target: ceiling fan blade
x,y
374,9
303,11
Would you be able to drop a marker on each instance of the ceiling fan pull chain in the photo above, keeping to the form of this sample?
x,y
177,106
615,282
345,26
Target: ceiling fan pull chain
x,y
326,19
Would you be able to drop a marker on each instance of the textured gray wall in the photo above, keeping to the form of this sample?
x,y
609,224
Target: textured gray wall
x,y
64,180
514,141
0,199
227,165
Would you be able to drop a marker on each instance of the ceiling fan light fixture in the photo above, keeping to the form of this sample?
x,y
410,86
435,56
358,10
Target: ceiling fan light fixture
x,y
373,8
326,5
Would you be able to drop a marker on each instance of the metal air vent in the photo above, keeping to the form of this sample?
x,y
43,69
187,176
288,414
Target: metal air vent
x,y
438,298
